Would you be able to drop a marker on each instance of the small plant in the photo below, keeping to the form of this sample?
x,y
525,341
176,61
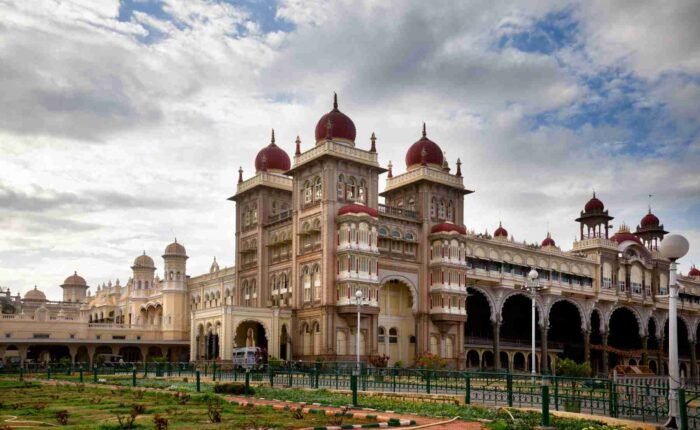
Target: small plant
x,y
39,406
431,361
298,413
160,423
398,364
138,394
338,417
380,361
182,397
138,409
62,417
185,379
81,388
215,408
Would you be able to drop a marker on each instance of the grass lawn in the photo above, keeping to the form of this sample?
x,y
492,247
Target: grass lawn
x,y
99,408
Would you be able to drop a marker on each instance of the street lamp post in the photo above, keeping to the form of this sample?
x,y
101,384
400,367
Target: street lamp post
x,y
533,287
358,296
673,247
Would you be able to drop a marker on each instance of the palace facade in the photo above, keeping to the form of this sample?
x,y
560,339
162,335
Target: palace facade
x,y
311,233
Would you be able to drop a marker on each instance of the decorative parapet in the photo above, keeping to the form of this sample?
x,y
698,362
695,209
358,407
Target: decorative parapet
x,y
597,242
425,173
330,147
273,180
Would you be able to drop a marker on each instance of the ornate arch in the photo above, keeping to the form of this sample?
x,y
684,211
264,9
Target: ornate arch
x,y
504,296
411,287
489,299
255,320
550,301
642,328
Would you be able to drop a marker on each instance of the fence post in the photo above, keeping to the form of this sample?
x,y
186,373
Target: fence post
x,y
94,374
316,375
145,369
48,371
545,406
247,382
21,373
613,399
197,377
80,369
467,390
289,372
427,382
393,376
213,371
682,409
133,377
353,387
556,393
509,388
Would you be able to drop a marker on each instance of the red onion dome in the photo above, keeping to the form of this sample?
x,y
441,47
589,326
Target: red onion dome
x,y
357,208
75,279
272,158
694,271
594,205
548,241
448,227
335,125
649,220
424,151
500,231
624,235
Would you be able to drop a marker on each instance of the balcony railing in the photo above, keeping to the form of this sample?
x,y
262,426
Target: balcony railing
x,y
282,216
399,212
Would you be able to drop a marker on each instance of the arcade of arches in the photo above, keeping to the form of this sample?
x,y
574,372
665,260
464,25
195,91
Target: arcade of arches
x,y
507,343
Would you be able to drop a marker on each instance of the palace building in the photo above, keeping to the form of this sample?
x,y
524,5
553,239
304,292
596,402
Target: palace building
x,y
311,232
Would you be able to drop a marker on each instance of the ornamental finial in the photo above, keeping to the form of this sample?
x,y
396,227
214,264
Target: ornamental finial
x,y
391,174
459,168
272,140
373,139
240,175
298,143
335,101
424,133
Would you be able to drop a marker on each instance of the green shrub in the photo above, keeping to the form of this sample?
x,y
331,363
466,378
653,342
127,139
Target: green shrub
x,y
232,388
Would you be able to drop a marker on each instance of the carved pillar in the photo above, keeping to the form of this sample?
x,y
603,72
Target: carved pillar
x,y
587,346
544,360
693,359
73,351
605,353
496,344
645,353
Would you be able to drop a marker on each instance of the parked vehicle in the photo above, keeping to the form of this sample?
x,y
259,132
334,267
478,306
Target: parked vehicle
x,y
247,358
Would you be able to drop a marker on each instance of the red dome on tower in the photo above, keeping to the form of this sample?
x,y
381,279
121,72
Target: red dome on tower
x,y
500,231
335,125
272,158
594,204
447,227
694,271
424,151
548,241
357,208
649,220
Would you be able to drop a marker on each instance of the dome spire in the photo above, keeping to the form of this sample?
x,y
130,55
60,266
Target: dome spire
x,y
335,101
272,139
240,174
298,148
459,168
391,174
373,139
424,133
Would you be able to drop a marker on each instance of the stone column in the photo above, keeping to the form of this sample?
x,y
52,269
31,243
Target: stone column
x,y
73,351
693,359
544,359
660,353
605,353
587,346
22,351
645,354
496,344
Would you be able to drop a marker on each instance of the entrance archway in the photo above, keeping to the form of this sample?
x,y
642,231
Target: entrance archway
x,y
623,334
516,315
565,330
251,334
130,354
478,325
396,323
285,344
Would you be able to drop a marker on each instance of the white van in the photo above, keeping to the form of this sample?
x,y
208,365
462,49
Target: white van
x,y
246,357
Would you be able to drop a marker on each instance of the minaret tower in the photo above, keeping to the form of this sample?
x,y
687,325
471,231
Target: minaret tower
x,y
175,303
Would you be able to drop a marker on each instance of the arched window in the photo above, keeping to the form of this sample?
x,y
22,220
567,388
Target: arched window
x,y
307,192
172,275
433,208
380,335
306,282
393,335
246,216
350,189
362,191
317,282
138,285
318,189
341,188
441,210
254,216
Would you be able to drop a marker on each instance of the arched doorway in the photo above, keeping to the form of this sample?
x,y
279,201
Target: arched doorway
x,y
48,353
285,344
251,334
473,359
623,334
478,325
130,354
154,352
596,339
516,328
82,356
487,360
565,330
683,344
397,321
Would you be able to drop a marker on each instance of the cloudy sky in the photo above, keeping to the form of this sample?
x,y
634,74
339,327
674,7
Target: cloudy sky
x,y
123,123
